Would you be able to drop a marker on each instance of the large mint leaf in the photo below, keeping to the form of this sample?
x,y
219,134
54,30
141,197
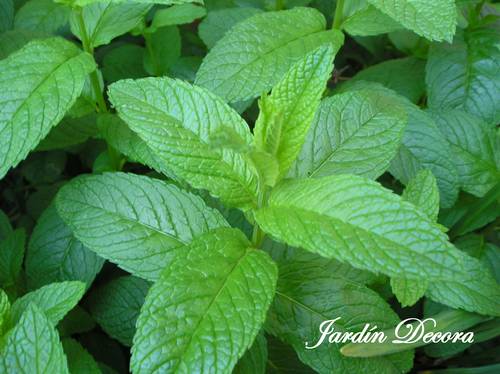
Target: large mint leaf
x,y
33,346
44,16
475,148
306,299
38,84
105,20
116,305
182,124
422,192
356,132
11,257
466,74
212,298
55,300
135,221
254,55
55,255
358,221
363,19
288,111
434,20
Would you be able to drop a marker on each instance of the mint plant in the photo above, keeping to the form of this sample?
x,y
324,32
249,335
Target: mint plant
x,y
192,187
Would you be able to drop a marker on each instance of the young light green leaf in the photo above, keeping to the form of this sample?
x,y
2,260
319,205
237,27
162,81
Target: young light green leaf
x,y
55,255
105,20
359,222
254,360
11,257
218,22
408,291
79,360
164,49
406,76
176,15
116,305
212,298
177,121
304,300
54,300
466,74
137,222
288,111
44,16
475,149
32,106
422,191
6,15
33,346
254,55
435,20
355,132
363,19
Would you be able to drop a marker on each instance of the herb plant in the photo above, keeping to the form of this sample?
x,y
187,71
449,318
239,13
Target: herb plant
x,y
193,187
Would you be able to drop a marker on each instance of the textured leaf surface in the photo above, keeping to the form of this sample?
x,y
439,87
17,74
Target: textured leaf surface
x,y
116,305
79,360
134,221
422,192
363,19
254,55
466,74
33,346
356,132
207,307
54,300
105,20
434,20
305,299
359,222
288,111
475,148
55,255
180,123
408,292
218,22
38,84
44,16
11,256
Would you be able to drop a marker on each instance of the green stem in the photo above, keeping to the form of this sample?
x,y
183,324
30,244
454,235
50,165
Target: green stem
x,y
337,20
257,233
149,47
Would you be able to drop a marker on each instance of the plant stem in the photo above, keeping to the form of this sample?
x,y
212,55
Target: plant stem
x,y
337,20
257,233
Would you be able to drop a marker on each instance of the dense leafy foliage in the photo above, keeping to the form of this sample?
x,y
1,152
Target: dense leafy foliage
x,y
193,186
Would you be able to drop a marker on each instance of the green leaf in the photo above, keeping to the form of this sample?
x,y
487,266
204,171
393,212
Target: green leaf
x,y
77,321
105,20
176,15
136,222
288,111
254,360
363,19
422,191
255,54
408,291
215,25
357,221
116,305
13,40
54,300
55,255
11,257
162,2
5,226
356,132
406,76
79,360
38,84
466,74
212,298
306,299
4,310
475,148
6,15
164,49
113,68
177,121
33,346
44,16
434,20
